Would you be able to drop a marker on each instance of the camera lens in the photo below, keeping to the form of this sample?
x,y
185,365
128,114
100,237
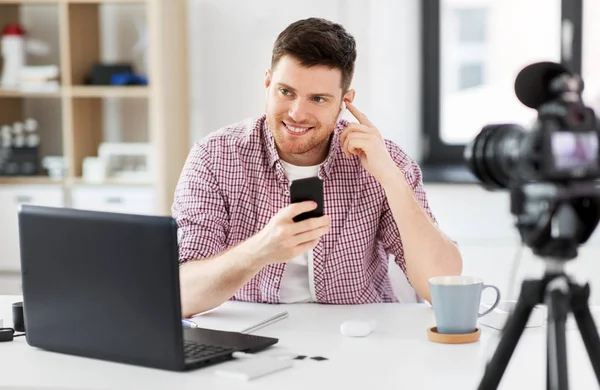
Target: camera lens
x,y
493,154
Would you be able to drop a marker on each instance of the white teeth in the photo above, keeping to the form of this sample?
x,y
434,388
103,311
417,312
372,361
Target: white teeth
x,y
297,129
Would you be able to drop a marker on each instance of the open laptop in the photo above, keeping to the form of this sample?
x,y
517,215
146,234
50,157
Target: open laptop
x,y
106,286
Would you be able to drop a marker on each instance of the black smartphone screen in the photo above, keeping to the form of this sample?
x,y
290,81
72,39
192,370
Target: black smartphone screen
x,y
310,188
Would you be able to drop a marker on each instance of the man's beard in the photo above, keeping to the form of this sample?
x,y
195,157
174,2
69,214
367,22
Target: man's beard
x,y
315,141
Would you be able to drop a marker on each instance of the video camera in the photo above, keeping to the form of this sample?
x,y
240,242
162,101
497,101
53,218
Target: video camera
x,y
550,169
551,172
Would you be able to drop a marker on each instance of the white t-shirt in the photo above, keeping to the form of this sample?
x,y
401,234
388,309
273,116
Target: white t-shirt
x,y
297,283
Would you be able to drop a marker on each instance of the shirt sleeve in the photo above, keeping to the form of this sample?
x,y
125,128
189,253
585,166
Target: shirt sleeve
x,y
199,209
388,232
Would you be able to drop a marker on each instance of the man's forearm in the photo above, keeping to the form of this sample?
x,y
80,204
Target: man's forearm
x,y
427,250
207,283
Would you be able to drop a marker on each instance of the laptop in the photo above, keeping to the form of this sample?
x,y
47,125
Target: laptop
x,y
106,286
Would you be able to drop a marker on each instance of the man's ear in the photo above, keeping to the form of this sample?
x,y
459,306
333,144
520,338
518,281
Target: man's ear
x,y
267,78
349,96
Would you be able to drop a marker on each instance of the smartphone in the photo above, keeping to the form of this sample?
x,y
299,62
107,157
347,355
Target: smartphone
x,y
310,188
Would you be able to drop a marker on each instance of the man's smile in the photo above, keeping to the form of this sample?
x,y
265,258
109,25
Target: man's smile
x,y
297,129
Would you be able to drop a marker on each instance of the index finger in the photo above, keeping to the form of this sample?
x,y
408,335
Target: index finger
x,y
295,209
362,118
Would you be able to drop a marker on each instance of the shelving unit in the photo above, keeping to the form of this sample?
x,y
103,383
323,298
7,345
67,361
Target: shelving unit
x,y
18,2
28,94
81,106
29,180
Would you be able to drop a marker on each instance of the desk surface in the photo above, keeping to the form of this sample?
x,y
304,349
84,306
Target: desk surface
x,y
397,355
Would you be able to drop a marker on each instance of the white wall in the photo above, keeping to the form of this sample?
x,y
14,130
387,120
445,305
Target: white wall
x,y
230,49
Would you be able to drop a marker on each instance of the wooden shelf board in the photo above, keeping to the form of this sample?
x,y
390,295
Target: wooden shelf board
x,y
108,91
13,2
15,93
45,180
29,180
109,182
104,1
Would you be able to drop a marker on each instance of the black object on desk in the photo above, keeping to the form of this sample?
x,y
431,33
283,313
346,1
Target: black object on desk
x,y
106,286
18,320
6,334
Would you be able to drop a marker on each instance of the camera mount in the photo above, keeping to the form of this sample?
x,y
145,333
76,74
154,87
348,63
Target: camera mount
x,y
562,218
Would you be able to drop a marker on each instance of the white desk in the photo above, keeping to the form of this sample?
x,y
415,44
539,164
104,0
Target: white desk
x,y
397,356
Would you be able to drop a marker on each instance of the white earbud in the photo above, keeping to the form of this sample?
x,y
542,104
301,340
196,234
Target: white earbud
x,y
267,93
355,328
341,112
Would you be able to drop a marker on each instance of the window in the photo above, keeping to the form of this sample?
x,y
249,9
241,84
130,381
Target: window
x,y
471,24
470,76
465,46
591,54
472,53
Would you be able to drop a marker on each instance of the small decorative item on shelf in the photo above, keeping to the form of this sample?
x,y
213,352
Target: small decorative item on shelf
x,y
15,45
40,78
115,74
13,52
19,149
94,170
130,162
56,167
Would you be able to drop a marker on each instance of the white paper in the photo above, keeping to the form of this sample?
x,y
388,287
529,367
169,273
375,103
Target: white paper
x,y
251,368
235,317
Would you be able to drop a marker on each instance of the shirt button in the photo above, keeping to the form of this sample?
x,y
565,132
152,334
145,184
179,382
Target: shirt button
x,y
286,192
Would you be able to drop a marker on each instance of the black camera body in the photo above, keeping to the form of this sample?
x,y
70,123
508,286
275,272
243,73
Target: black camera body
x,y
569,138
562,145
552,169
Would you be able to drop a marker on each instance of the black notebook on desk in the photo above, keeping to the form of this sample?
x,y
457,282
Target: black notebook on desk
x,y
106,286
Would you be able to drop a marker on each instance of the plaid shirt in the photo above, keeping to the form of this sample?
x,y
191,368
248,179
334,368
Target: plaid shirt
x,y
233,183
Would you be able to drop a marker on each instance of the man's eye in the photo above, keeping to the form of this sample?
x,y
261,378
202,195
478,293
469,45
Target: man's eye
x,y
285,91
318,99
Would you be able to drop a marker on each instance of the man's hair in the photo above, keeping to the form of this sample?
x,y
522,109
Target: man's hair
x,y
317,41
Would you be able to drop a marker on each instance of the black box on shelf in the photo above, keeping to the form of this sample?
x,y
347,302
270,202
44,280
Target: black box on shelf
x,y
23,161
101,74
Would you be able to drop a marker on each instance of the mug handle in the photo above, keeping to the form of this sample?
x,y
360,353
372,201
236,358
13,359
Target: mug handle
x,y
495,303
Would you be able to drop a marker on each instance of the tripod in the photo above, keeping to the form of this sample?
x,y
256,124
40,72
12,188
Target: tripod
x,y
560,294
554,234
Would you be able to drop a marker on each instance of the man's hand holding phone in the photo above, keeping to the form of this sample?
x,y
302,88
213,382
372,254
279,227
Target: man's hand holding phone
x,y
282,239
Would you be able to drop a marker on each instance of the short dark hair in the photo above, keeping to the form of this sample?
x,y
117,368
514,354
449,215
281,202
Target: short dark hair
x,y
317,41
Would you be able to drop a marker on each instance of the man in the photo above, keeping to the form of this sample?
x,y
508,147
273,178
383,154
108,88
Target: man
x,y
232,204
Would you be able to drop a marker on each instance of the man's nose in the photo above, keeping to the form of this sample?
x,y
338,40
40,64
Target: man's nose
x,y
299,111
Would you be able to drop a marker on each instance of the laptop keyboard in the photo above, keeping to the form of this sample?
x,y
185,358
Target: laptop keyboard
x,y
198,351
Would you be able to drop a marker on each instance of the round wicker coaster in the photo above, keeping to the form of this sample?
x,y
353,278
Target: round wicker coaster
x,y
436,337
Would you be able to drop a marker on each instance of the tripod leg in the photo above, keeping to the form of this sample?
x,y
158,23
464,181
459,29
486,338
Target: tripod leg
x,y
586,325
531,294
557,374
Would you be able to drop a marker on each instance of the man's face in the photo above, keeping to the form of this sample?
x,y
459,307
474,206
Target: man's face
x,y
303,105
